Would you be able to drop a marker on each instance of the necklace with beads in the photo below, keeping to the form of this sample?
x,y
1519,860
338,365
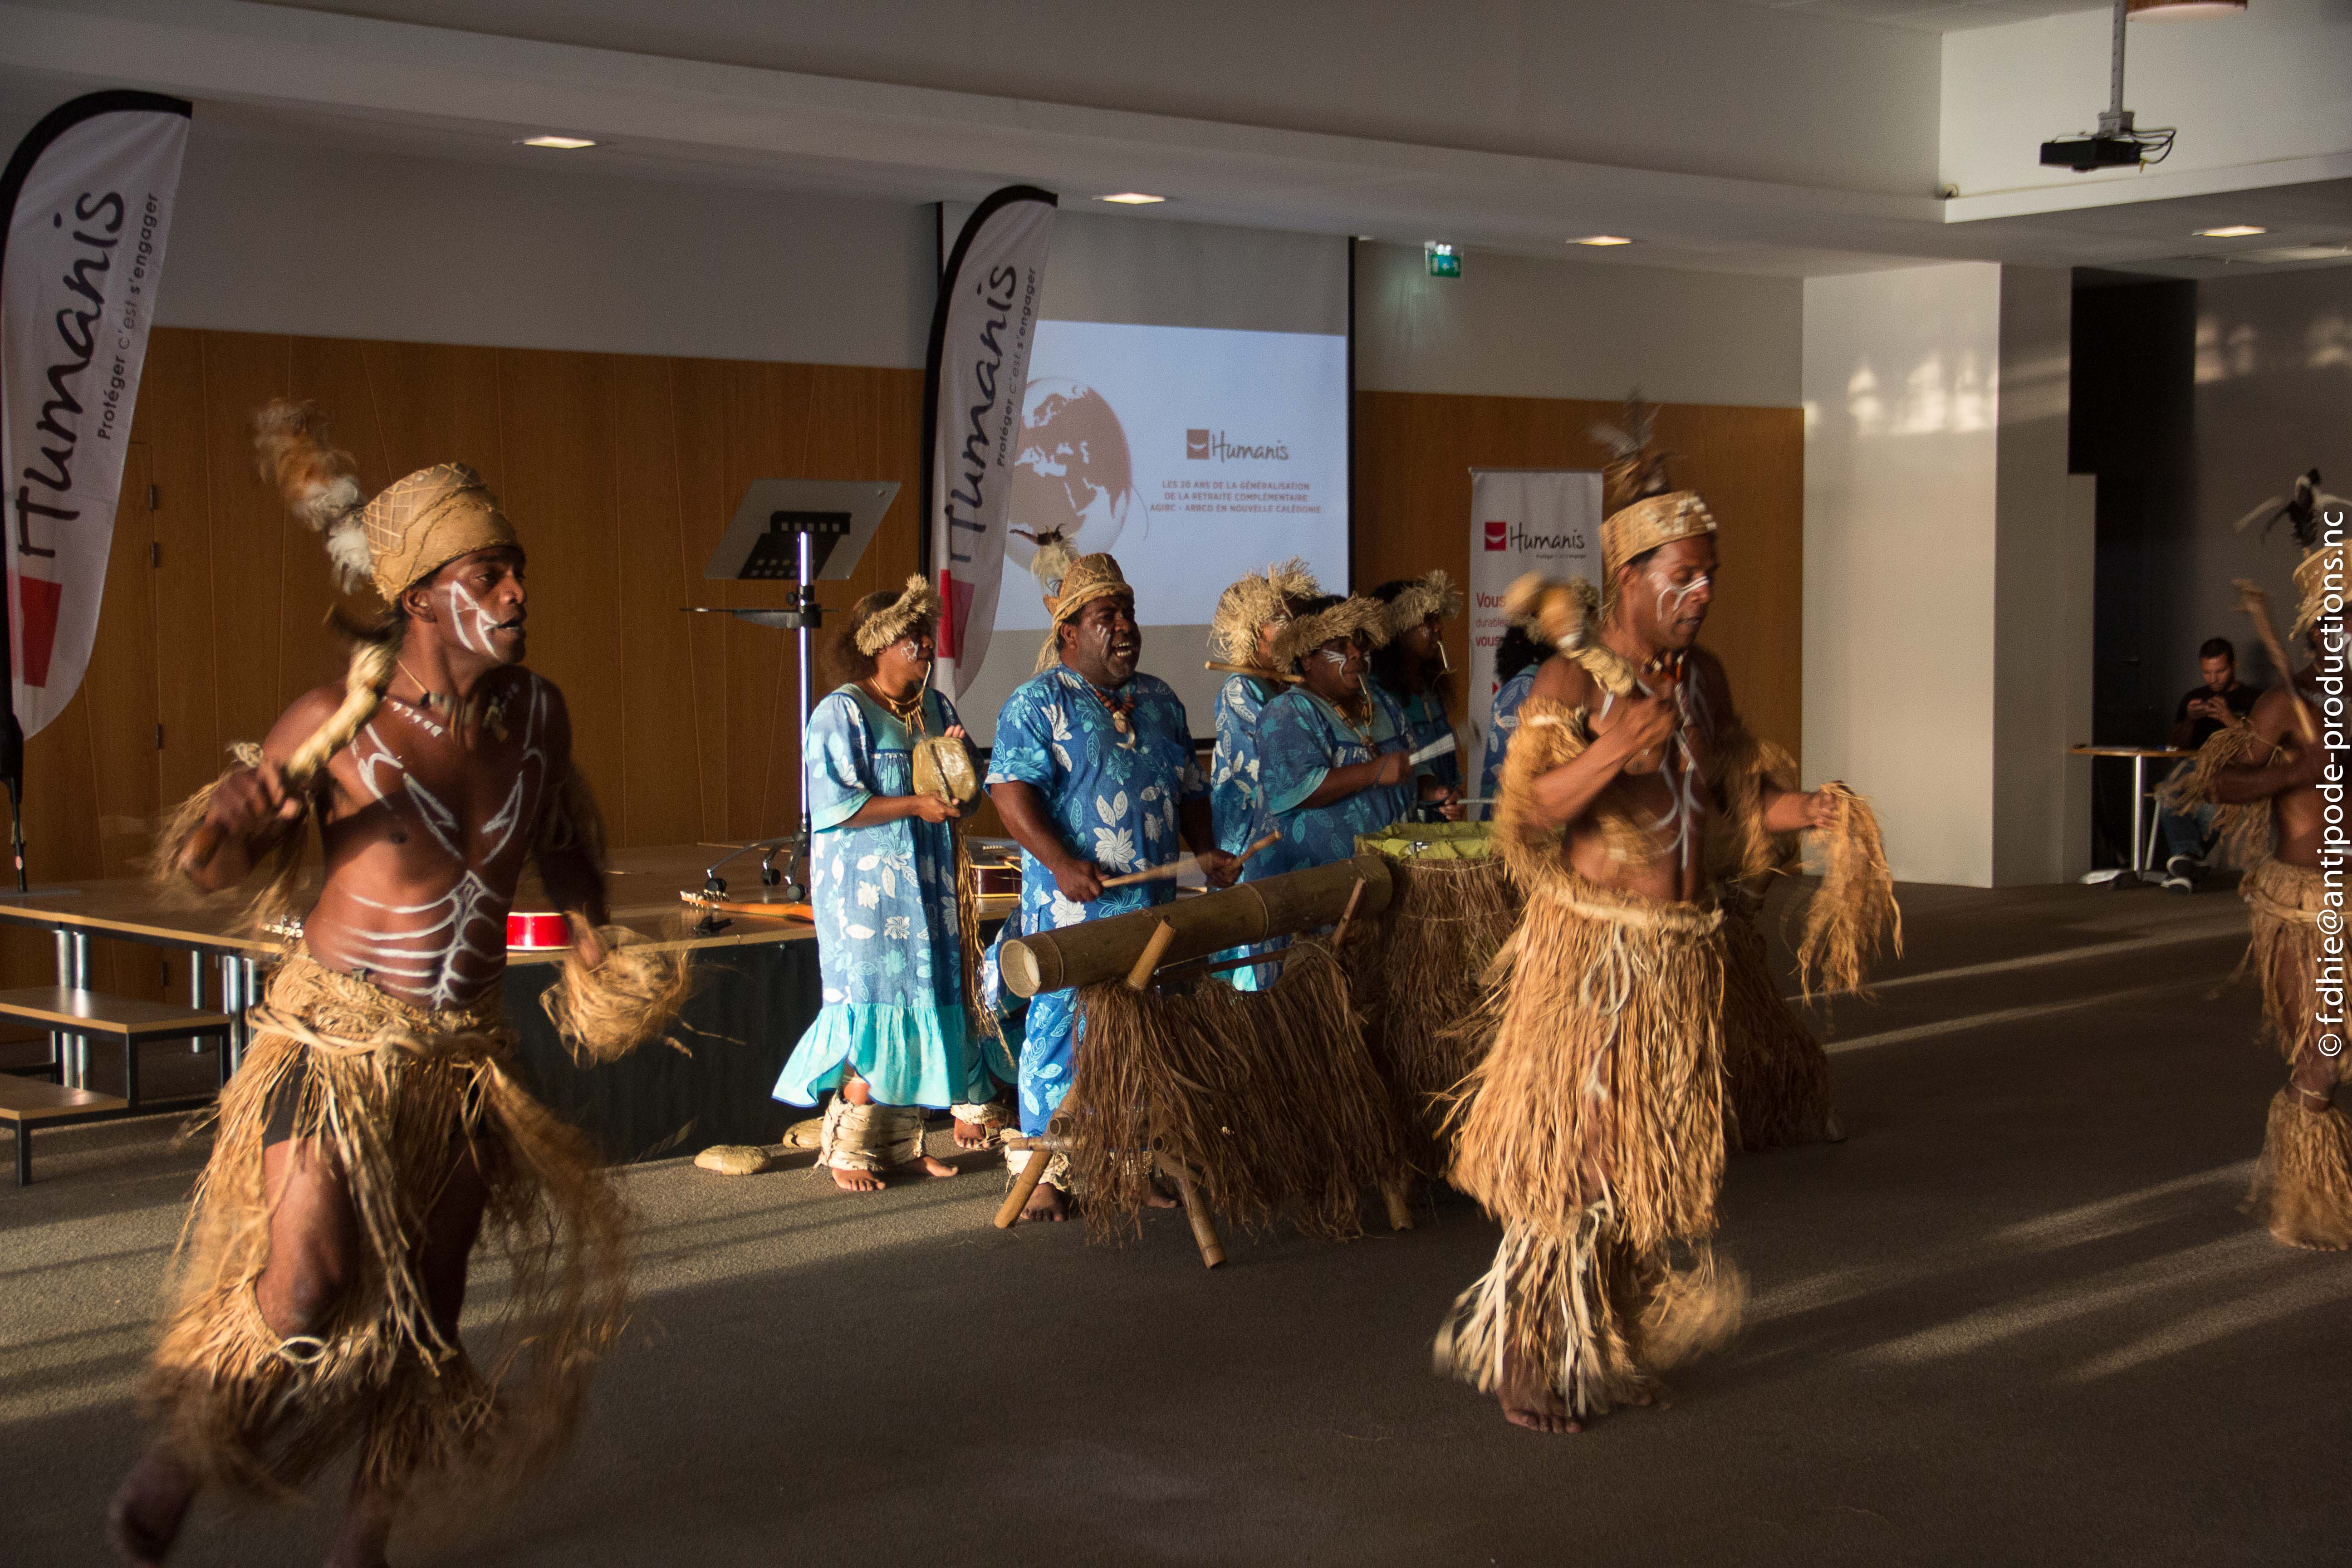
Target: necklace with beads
x,y
1118,710
909,712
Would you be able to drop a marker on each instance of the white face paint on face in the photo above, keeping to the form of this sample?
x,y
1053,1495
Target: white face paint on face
x,y
1672,599
472,624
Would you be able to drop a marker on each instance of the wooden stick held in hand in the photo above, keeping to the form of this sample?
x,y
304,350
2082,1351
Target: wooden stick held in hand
x,y
1175,866
2257,605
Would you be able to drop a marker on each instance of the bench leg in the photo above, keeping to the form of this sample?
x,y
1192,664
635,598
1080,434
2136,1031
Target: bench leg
x,y
23,1155
131,1072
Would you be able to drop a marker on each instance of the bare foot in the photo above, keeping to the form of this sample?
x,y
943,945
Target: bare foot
x,y
1046,1203
1531,1402
855,1181
1157,1199
931,1167
972,1135
145,1518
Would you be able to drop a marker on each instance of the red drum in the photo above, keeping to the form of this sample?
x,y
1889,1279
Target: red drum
x,y
538,930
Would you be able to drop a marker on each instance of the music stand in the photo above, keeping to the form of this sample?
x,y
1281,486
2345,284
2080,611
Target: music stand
x,y
793,531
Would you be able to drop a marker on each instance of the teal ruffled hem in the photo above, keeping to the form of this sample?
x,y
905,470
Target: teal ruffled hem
x,y
907,1056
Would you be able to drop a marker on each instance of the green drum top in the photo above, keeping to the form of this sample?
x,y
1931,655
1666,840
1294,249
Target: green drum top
x,y
1429,841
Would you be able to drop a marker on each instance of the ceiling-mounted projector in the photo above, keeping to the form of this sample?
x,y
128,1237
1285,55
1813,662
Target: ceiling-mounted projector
x,y
2117,144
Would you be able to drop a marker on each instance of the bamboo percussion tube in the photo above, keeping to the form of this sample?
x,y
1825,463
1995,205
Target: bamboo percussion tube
x,y
364,680
1257,912
1204,1229
1025,1187
1140,975
1339,932
1245,669
2257,605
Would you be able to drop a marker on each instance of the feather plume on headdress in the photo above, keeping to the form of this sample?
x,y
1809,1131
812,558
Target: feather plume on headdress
x,y
1632,470
2302,507
891,619
1053,561
320,483
1244,608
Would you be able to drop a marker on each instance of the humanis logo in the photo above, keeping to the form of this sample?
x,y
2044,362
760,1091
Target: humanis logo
x,y
1204,444
1501,535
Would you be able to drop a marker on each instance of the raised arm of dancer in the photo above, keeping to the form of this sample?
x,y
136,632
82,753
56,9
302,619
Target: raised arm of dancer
x,y
253,805
1640,726
1032,826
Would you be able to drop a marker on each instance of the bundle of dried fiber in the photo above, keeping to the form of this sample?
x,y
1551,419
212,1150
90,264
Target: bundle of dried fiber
x,y
1422,980
2303,1186
1270,1096
1776,1077
2242,831
1853,915
1604,1077
635,996
384,1086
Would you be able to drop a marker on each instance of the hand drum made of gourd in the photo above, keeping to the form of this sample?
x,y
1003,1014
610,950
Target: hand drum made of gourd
x,y
943,767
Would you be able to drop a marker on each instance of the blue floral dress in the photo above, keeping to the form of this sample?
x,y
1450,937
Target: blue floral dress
x,y
1425,720
1501,725
1301,738
1234,796
1113,798
885,922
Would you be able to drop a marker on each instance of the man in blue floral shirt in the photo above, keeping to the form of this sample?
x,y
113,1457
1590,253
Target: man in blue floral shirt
x,y
1093,773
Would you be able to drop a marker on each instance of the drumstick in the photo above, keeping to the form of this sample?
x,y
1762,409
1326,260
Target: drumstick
x,y
2257,605
1245,669
1162,873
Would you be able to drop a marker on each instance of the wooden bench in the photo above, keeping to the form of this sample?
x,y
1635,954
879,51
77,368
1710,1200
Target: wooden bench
x,y
131,1021
28,1102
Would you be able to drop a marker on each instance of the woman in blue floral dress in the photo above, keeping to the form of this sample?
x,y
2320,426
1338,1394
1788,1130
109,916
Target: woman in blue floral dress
x,y
1250,615
1409,662
1334,751
891,1035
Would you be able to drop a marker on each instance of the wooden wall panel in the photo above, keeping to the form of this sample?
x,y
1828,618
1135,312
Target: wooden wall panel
x,y
620,472
1414,456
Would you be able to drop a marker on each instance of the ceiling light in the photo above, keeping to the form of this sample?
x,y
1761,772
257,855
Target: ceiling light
x,y
1601,239
2231,231
565,144
2181,10
1132,199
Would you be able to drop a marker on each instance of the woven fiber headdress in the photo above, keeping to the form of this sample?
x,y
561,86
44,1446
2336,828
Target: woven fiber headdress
x,y
1434,594
894,618
2319,575
1360,616
415,527
1648,513
1243,609
1076,582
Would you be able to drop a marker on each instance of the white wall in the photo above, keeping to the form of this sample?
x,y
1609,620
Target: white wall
x,y
1511,326
1900,378
2260,88
276,237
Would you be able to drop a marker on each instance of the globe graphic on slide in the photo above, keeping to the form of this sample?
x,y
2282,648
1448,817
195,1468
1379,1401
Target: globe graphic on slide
x,y
1073,472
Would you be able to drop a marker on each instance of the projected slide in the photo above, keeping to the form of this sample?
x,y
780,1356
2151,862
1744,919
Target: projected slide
x,y
1194,454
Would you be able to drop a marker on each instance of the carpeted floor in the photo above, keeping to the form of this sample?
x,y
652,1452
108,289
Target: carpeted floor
x,y
2017,1317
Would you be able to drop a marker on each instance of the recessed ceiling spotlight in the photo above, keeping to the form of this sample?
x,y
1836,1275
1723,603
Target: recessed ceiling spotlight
x,y
1132,199
1601,239
564,144
2231,231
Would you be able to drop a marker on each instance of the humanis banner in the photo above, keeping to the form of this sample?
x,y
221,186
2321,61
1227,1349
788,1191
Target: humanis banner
x,y
990,296
89,203
1521,521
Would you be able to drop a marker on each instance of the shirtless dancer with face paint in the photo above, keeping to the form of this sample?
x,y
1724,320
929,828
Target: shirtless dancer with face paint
x,y
1594,1128
429,817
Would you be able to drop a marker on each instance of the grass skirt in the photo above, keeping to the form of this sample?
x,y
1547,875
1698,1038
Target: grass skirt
x,y
1593,1130
391,1093
1269,1097
2303,1186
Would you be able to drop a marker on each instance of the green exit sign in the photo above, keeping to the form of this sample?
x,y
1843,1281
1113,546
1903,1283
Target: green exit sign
x,y
1444,262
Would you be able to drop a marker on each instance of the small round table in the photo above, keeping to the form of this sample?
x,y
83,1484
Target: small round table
x,y
2139,755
